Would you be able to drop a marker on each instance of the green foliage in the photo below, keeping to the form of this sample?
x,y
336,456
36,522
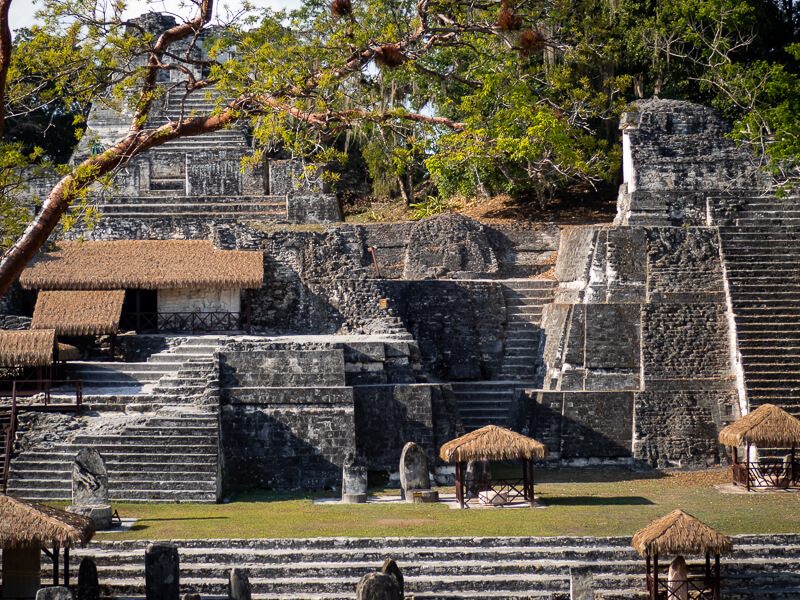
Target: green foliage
x,y
432,205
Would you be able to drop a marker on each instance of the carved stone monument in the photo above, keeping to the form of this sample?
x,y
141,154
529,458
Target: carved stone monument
x,y
386,585
354,480
55,592
162,572
581,583
90,488
88,584
239,587
415,477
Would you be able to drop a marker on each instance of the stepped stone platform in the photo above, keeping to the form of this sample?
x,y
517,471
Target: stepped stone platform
x,y
760,567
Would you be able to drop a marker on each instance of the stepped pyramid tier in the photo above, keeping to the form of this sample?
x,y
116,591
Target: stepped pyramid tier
x,y
520,568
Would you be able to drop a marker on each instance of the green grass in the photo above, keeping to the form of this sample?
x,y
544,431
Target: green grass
x,y
586,502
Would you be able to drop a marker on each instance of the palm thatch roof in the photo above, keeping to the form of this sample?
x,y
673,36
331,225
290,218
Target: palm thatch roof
x,y
27,524
767,426
143,264
492,443
27,348
679,533
79,312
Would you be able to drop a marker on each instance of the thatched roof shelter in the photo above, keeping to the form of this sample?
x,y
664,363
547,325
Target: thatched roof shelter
x,y
144,264
27,348
79,312
768,426
492,443
27,524
679,533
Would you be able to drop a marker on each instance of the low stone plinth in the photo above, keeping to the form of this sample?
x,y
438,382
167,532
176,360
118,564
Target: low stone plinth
x,y
100,514
354,498
493,498
422,496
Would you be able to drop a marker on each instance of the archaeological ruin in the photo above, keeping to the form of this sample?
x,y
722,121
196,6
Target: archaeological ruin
x,y
220,330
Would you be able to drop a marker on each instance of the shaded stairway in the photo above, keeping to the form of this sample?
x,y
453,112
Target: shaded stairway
x,y
760,567
489,402
761,251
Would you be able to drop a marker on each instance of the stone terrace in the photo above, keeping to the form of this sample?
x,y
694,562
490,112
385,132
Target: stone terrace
x,y
761,567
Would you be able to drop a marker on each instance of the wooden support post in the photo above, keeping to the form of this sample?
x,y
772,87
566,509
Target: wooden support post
x,y
708,565
654,591
66,567
460,484
56,557
791,467
533,483
747,475
717,582
647,577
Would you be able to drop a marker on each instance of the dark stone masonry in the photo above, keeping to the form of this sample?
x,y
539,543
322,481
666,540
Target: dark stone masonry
x,y
617,343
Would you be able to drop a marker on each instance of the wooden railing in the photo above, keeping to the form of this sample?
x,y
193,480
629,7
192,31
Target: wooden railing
x,y
765,473
695,588
513,490
190,321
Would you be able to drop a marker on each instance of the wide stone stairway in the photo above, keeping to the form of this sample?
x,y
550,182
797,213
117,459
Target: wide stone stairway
x,y
761,248
159,444
489,402
760,567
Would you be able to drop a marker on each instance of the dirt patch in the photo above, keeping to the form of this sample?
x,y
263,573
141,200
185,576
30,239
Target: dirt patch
x,y
404,522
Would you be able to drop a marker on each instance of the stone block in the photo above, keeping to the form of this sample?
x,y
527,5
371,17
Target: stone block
x,y
52,593
88,583
414,470
162,572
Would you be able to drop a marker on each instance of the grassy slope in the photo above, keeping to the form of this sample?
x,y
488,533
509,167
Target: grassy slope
x,y
578,503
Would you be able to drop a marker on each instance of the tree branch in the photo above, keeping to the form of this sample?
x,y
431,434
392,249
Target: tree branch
x,y
5,59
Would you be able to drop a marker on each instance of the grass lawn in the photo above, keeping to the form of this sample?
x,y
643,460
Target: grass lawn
x,y
579,502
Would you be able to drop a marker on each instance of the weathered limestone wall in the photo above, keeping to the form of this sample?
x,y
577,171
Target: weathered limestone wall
x,y
675,156
292,410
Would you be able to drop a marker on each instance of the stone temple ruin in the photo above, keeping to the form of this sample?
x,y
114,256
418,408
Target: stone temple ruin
x,y
234,333
632,342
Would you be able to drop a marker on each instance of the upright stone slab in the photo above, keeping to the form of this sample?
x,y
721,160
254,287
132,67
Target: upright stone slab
x,y
354,480
90,488
239,587
581,583
391,568
88,584
162,572
415,478
378,586
55,592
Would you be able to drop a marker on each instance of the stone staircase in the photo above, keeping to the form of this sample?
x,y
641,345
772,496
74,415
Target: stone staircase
x,y
760,567
167,457
761,249
224,208
163,448
197,104
489,402
525,300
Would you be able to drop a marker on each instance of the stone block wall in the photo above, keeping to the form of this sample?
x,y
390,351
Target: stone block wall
x,y
675,155
646,323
